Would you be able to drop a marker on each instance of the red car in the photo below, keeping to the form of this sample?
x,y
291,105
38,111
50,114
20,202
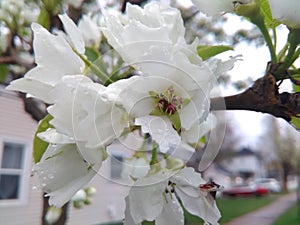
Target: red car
x,y
245,190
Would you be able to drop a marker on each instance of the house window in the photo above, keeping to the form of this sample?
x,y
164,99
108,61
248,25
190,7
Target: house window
x,y
12,157
116,166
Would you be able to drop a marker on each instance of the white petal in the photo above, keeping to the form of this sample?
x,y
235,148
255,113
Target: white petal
x,y
135,168
219,67
52,136
73,32
54,56
172,212
203,206
82,109
214,7
62,172
286,11
146,199
90,31
197,131
34,87
128,218
161,131
153,25
187,177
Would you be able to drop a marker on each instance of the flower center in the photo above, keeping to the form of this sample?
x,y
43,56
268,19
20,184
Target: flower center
x,y
168,102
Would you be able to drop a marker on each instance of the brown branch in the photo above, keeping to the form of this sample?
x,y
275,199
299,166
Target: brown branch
x,y
263,97
14,59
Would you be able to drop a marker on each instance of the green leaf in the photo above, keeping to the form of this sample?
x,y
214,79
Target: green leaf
x,y
266,11
296,122
206,52
95,57
175,119
296,87
3,72
40,146
44,18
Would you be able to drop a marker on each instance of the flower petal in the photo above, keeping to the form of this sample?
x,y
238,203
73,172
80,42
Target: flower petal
x,y
62,172
90,32
73,32
54,56
55,59
135,168
128,218
203,206
36,88
82,109
161,131
145,198
172,212
53,137
214,7
286,11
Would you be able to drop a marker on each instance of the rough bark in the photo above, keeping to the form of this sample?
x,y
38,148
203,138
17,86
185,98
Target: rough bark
x,y
263,96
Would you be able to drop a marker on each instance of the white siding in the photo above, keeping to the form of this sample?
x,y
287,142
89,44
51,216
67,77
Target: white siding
x,y
17,125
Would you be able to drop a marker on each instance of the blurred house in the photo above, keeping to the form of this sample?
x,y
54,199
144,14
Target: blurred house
x,y
20,201
242,166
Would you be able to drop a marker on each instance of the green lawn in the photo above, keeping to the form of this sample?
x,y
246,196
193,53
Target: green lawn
x,y
290,217
231,208
234,207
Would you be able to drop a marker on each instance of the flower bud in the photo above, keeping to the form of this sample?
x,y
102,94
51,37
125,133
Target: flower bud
x,y
248,8
52,215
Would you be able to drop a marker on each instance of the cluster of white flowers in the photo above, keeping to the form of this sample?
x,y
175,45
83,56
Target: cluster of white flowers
x,y
287,12
169,100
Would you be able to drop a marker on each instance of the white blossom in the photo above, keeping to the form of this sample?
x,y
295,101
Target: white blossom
x,y
153,198
54,58
90,31
82,109
172,96
66,168
286,12
155,25
73,32
173,91
217,7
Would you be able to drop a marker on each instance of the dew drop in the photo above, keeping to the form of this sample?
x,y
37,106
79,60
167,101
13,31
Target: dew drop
x,y
44,185
45,178
34,187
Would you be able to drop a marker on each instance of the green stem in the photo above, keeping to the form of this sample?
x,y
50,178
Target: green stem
x,y
292,55
102,76
259,22
288,61
154,155
295,57
282,52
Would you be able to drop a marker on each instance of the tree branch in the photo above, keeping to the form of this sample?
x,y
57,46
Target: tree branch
x,y
263,97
